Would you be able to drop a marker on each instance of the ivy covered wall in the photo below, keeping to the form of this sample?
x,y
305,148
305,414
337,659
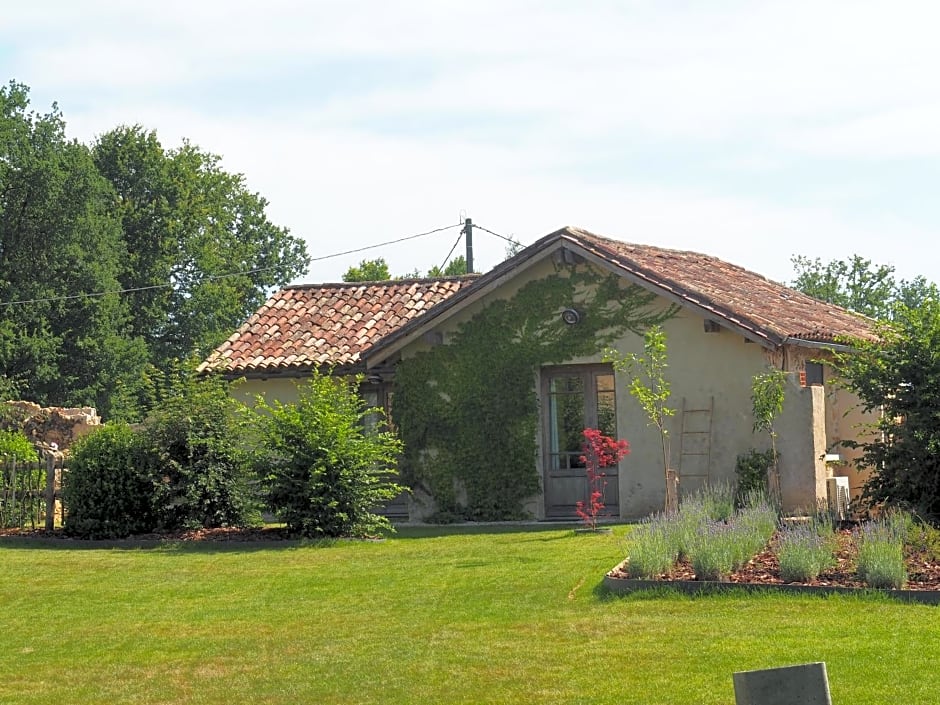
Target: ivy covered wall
x,y
467,411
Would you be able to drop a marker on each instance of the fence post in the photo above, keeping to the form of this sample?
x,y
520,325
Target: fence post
x,y
50,491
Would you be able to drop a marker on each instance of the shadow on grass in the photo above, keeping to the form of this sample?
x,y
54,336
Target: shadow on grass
x,y
558,530
164,545
526,531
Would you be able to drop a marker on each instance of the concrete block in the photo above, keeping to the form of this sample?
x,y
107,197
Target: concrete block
x,y
806,684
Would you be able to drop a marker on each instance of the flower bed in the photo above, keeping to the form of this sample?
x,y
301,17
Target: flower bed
x,y
695,553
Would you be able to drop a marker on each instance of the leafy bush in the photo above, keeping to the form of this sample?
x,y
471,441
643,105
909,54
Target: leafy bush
x,y
897,377
108,490
202,475
325,471
185,469
751,469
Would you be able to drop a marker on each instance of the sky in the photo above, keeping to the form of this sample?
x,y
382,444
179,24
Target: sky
x,y
752,131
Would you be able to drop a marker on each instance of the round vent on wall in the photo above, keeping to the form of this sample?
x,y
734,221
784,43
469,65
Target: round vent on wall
x,y
571,316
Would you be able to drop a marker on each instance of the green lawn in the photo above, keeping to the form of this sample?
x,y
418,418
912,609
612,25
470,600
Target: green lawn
x,y
430,616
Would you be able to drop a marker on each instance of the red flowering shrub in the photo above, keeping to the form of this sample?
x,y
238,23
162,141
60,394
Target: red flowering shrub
x,y
600,452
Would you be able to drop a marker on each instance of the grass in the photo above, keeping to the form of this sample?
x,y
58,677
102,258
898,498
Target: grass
x,y
431,616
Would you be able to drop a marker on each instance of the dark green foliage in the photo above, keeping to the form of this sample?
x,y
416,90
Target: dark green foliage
x,y
326,470
108,489
751,469
188,243
468,412
900,377
202,474
188,223
58,238
186,468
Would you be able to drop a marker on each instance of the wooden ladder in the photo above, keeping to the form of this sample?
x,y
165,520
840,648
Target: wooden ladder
x,y
695,445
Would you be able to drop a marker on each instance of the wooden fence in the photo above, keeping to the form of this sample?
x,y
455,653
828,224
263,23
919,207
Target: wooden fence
x,y
29,494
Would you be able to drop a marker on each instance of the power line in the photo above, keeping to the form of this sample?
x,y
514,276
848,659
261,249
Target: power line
x,y
507,239
71,297
383,244
447,259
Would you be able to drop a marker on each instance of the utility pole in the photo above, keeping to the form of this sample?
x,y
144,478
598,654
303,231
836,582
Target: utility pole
x,y
468,231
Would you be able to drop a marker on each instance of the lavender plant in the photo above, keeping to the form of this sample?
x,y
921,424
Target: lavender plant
x,y
880,554
653,549
804,551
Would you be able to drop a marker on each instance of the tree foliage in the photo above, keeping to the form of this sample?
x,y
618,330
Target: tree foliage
x,y
455,267
201,253
376,270
898,377
327,464
369,270
188,244
58,239
858,285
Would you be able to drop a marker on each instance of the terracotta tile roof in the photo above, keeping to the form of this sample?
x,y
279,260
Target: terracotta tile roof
x,y
769,310
327,325
760,308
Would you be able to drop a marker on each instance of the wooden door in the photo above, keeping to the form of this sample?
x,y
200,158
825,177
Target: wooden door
x,y
575,397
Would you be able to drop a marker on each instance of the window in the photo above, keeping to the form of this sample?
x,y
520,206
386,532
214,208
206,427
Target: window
x,y
814,374
574,398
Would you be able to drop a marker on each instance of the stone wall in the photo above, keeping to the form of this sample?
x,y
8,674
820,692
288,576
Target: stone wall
x,y
53,428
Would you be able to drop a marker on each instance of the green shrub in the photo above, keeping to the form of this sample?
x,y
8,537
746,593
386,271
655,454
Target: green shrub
x,y
712,551
202,475
751,470
718,501
185,469
325,471
108,491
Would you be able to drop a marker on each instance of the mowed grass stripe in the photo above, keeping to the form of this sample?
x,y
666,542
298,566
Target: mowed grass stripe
x,y
429,616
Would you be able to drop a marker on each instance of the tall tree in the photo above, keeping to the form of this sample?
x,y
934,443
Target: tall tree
x,y
857,284
898,377
201,252
63,339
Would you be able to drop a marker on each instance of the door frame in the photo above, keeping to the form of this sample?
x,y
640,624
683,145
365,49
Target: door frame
x,y
589,373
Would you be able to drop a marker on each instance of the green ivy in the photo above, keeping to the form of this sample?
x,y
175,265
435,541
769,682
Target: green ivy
x,y
468,411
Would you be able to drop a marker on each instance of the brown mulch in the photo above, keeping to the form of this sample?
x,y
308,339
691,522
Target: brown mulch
x,y
764,569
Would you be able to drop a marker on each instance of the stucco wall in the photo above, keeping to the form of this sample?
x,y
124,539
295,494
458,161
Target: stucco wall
x,y
706,370
282,389
801,430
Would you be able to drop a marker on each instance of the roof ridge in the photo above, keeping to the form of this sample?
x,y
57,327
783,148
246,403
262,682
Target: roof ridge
x,y
384,282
